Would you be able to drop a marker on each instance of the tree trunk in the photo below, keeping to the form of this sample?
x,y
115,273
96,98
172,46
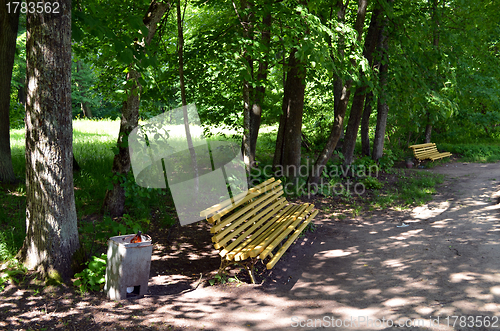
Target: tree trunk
x,y
371,41
288,152
360,93
435,44
180,51
335,133
260,90
247,26
428,133
51,224
382,107
365,125
180,54
84,106
8,34
341,92
114,201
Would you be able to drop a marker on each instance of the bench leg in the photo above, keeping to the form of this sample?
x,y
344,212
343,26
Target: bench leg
x,y
223,265
249,266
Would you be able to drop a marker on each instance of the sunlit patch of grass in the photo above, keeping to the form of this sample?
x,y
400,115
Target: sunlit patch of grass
x,y
410,190
418,189
93,143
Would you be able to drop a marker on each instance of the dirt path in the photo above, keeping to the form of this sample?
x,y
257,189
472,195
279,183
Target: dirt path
x,y
360,274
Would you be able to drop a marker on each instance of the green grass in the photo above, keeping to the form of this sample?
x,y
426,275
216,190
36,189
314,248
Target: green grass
x,y
418,188
480,152
93,142
412,189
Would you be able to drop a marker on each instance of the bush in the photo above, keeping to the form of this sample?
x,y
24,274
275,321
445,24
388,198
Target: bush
x,y
473,152
93,277
372,183
387,160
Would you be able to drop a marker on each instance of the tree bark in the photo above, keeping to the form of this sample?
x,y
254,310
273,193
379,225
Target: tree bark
x,y
114,201
360,93
365,125
8,33
51,223
180,52
435,44
288,152
382,106
341,92
260,90
84,106
247,24
428,133
372,39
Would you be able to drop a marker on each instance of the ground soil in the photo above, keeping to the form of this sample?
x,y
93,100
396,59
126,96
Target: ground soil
x,y
369,271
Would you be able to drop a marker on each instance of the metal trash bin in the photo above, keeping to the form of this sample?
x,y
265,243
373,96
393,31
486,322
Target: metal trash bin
x,y
127,268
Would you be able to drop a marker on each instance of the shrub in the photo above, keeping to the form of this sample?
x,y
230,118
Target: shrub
x,y
372,183
93,277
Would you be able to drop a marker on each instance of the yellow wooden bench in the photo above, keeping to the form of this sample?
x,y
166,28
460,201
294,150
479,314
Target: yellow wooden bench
x,y
427,151
253,225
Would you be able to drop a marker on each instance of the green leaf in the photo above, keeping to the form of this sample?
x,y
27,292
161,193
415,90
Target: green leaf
x,y
126,56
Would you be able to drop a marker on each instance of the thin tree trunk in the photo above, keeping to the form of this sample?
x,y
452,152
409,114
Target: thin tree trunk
x,y
278,151
435,44
51,223
333,139
365,125
247,92
84,106
114,202
289,152
180,51
382,106
428,133
260,90
8,34
372,39
359,95
341,92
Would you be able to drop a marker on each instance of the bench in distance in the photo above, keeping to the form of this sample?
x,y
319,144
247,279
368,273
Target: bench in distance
x,y
427,151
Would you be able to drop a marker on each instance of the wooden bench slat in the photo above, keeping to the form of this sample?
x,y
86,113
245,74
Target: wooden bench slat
x,y
422,145
298,218
265,226
439,156
263,243
230,202
253,194
257,240
223,237
269,197
290,240
268,212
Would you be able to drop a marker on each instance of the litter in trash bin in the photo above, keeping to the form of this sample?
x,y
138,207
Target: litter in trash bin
x,y
127,269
